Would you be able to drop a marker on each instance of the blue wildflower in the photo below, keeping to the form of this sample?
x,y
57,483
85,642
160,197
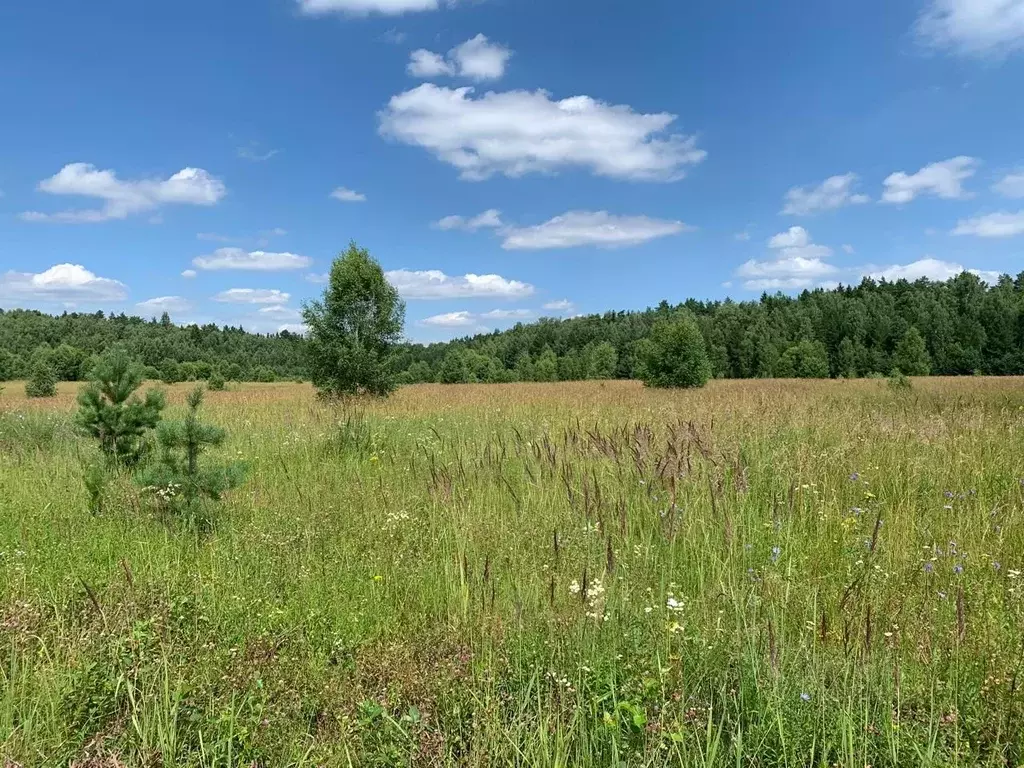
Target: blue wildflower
x,y
805,697
776,552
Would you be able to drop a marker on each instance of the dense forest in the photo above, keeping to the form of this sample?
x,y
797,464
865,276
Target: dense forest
x,y
69,343
961,326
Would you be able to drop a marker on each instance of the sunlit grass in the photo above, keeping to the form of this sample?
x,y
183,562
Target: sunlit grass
x,y
757,573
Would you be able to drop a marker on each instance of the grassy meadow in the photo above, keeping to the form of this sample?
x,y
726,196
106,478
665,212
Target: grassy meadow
x,y
759,573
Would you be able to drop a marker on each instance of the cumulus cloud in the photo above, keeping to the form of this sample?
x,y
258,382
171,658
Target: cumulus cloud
x,y
435,284
797,263
1012,185
366,7
508,314
252,296
476,59
562,305
1000,224
944,180
60,283
299,329
121,199
280,312
834,192
346,195
490,219
451,320
188,274
519,132
930,268
163,304
258,261
426,64
466,319
973,27
579,228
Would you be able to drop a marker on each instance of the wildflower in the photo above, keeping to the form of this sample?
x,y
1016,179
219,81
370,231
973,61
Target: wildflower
x,y
996,566
675,628
854,477
574,588
776,552
928,567
805,697
958,568
674,605
648,609
948,494
857,511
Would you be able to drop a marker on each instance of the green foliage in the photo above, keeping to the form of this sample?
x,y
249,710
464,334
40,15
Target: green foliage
x,y
233,372
675,355
264,375
170,371
804,360
179,479
42,382
455,368
216,382
911,355
110,411
602,360
354,328
898,381
546,367
10,365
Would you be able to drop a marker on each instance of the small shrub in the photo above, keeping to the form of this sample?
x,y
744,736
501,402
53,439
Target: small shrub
x,y
42,382
110,411
178,479
898,382
675,355
216,382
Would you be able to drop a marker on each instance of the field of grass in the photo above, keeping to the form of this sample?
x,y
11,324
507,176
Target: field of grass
x,y
761,573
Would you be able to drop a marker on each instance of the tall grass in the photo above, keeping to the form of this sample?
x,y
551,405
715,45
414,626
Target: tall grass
x,y
758,573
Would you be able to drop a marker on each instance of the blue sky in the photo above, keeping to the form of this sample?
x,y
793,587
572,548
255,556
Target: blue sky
x,y
502,159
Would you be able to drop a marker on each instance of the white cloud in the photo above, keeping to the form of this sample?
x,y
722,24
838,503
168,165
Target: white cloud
x,y
834,192
297,328
562,305
434,284
973,27
794,237
365,7
849,249
63,283
190,186
258,261
929,267
346,195
519,132
451,320
188,274
252,152
1012,185
480,59
477,59
252,296
508,314
943,180
490,219
165,304
1000,224
798,263
579,228
427,64
280,312
317,278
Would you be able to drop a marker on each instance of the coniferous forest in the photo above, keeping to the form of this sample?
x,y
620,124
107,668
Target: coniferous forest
x,y
959,327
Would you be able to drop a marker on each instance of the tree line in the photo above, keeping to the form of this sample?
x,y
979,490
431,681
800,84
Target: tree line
x,y
69,345
960,326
